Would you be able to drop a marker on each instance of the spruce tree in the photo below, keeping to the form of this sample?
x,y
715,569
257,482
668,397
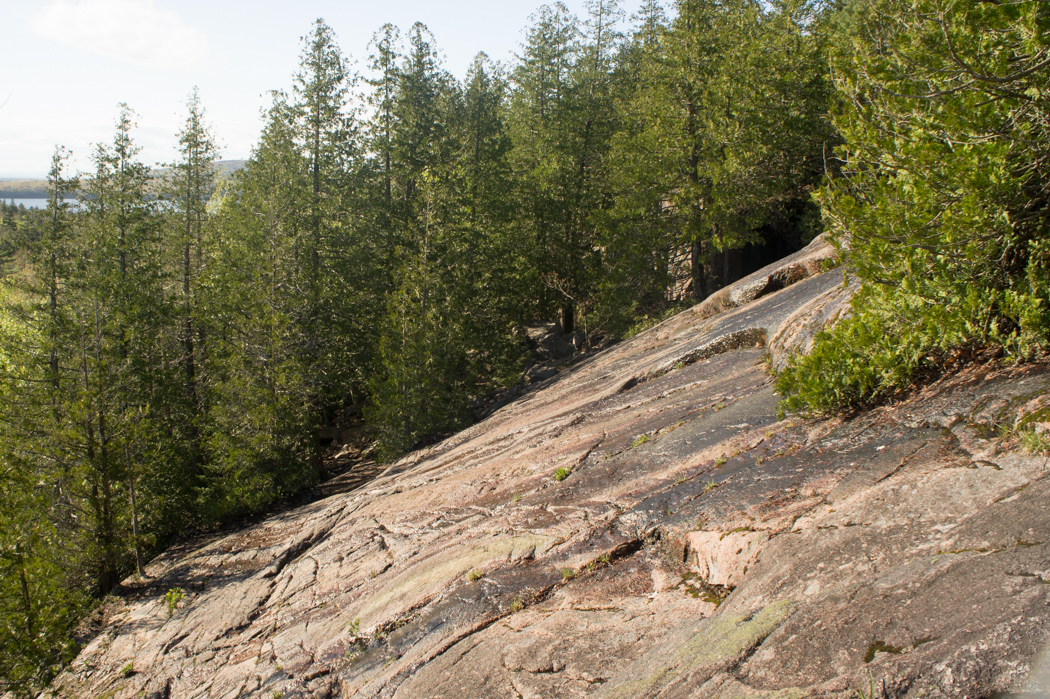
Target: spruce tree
x,y
121,318
41,584
259,441
542,130
384,65
191,186
326,133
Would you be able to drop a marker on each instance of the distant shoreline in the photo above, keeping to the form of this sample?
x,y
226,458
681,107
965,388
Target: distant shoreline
x,y
26,188
23,189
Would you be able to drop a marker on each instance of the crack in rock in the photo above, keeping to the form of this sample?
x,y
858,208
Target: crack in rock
x,y
721,344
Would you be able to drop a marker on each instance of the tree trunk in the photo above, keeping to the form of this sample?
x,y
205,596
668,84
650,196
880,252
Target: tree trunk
x,y
697,261
568,319
109,576
189,366
26,600
139,567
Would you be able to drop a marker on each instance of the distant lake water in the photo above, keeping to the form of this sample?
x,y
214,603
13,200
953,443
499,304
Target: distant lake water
x,y
29,203
42,203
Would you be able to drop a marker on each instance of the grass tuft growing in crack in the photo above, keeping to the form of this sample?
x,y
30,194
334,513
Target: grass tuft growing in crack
x,y
172,598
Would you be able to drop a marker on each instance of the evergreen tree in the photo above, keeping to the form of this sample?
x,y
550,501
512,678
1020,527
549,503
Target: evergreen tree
x,y
41,595
593,121
121,314
542,130
485,146
384,65
326,136
421,139
291,290
486,261
562,120
419,387
638,233
191,186
260,442
730,130
87,368
943,202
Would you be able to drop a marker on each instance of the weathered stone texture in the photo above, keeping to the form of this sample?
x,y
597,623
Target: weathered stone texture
x,y
701,547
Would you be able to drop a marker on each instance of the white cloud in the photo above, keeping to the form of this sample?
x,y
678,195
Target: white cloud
x,y
128,30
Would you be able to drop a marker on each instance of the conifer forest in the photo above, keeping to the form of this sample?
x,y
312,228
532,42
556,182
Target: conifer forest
x,y
175,340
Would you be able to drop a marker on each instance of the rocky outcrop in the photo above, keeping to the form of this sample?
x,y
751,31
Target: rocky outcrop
x,y
644,525
813,259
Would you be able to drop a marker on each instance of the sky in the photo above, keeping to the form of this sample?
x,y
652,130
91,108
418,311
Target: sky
x,y
70,63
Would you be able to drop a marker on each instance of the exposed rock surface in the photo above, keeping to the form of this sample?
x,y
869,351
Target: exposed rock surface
x,y
699,547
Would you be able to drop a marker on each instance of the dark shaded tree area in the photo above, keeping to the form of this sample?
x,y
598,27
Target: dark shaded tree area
x,y
174,346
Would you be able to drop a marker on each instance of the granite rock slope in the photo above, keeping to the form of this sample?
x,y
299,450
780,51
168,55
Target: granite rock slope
x,y
644,525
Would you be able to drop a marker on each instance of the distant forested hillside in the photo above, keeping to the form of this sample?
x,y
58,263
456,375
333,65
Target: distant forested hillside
x,y
38,189
23,189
